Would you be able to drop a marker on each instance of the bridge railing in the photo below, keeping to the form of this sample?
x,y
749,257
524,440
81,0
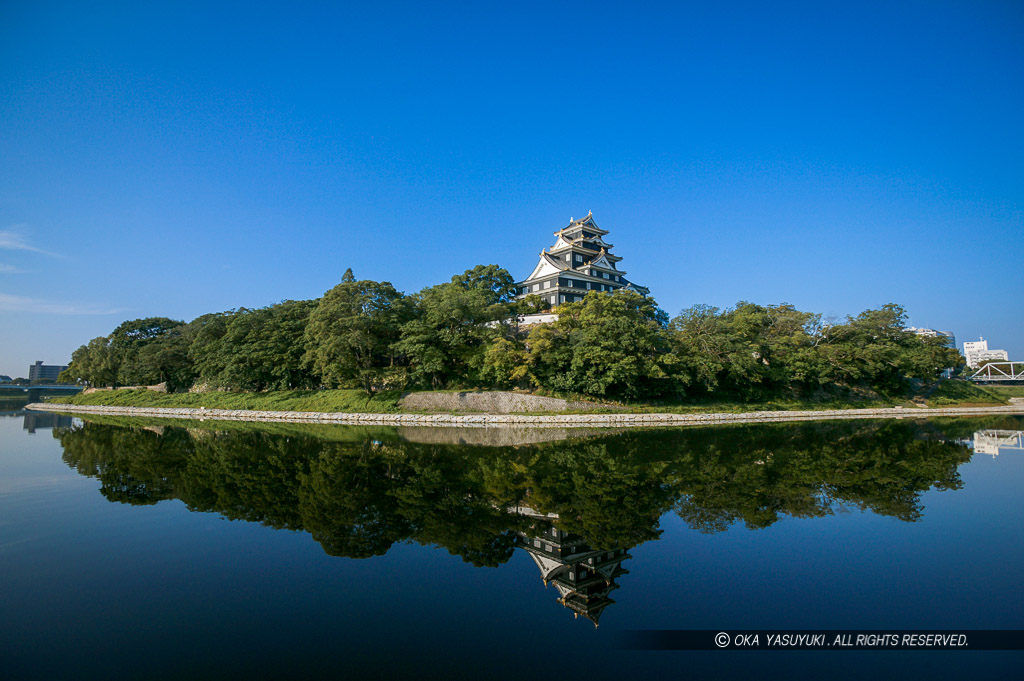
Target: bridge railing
x,y
999,371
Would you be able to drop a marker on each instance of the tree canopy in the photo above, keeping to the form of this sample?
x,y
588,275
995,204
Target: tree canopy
x,y
351,331
359,494
464,333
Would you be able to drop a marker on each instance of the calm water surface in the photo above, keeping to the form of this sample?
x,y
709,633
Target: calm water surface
x,y
148,549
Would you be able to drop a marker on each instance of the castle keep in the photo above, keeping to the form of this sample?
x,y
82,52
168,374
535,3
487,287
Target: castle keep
x,y
580,261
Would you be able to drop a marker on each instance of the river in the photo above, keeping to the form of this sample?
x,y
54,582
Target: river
x,y
137,548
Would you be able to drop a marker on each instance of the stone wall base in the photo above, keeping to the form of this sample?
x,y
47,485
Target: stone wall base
x,y
561,420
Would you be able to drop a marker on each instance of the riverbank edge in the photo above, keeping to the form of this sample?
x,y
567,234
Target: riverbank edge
x,y
561,420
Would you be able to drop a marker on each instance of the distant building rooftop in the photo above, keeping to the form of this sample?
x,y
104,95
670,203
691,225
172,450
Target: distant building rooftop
x,y
44,372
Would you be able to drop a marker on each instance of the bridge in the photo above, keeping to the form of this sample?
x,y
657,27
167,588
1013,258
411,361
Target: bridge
x,y
34,392
991,441
999,371
40,386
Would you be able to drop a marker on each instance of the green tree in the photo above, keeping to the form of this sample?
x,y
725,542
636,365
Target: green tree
x,y
92,364
875,349
351,331
260,349
453,324
167,360
701,343
750,351
607,345
506,363
135,345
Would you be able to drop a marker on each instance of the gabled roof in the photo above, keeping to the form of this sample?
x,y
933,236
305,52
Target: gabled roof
x,y
561,244
591,612
602,261
613,569
549,567
579,242
630,286
547,266
580,272
587,222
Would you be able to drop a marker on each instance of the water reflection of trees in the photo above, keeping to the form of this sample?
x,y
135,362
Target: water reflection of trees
x,y
360,495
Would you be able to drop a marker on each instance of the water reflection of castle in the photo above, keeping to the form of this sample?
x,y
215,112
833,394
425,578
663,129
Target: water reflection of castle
x,y
584,577
993,441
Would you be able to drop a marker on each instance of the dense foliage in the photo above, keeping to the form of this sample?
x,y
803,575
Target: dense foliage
x,y
464,334
359,491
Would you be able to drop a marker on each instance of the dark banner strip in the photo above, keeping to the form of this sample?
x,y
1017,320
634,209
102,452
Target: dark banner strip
x,y
810,639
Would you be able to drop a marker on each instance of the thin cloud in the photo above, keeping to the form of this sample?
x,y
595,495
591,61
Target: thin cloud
x,y
9,269
12,240
11,303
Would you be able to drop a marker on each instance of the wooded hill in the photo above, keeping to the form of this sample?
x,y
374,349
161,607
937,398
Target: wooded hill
x,y
464,334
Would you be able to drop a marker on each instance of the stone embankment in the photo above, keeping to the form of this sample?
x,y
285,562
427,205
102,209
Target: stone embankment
x,y
490,402
560,420
158,388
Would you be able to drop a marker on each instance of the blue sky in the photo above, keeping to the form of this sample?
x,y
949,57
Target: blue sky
x,y
172,160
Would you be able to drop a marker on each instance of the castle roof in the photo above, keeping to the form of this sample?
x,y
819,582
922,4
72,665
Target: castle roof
x,y
580,251
587,222
581,242
548,265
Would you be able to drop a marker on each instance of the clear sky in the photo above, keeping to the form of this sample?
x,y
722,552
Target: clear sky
x,y
180,158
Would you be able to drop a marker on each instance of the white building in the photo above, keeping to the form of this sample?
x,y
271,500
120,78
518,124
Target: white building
x,y
976,352
934,333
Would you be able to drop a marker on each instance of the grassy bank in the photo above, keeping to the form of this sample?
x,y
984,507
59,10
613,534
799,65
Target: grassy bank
x,y
1006,391
964,394
945,394
350,401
